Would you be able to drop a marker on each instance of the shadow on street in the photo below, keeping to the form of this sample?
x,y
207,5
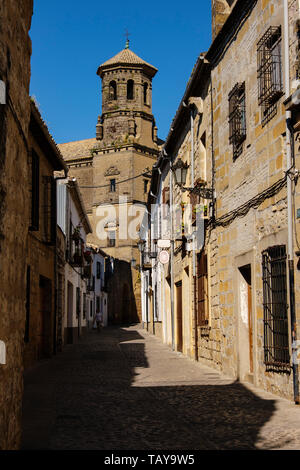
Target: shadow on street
x,y
86,398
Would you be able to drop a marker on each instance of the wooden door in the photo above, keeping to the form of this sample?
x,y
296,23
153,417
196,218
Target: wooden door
x,y
250,325
179,315
202,290
45,338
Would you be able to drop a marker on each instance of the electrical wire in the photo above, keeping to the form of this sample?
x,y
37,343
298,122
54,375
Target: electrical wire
x,y
145,174
251,204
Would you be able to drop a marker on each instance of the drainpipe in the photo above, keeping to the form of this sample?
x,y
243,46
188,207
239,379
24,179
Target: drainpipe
x,y
192,146
194,244
290,164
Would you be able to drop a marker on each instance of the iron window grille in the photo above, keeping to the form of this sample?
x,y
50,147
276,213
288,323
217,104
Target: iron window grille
x,y
276,336
269,72
237,118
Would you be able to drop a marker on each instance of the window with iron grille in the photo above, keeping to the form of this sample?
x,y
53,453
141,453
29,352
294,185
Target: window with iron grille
x,y
237,118
269,72
276,336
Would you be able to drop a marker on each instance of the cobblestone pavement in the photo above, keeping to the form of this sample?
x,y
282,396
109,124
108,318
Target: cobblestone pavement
x,y
123,389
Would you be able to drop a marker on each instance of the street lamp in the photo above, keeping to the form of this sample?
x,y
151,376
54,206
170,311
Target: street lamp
x,y
180,171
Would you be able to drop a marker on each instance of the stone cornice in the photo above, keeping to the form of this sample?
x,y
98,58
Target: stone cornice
x,y
139,148
129,113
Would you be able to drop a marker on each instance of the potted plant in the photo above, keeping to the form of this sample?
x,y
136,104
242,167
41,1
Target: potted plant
x,y
88,256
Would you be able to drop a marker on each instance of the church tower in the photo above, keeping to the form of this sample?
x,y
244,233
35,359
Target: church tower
x,y
127,101
114,171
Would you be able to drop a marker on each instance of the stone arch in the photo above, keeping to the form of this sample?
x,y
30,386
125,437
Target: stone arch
x,y
130,89
145,89
113,90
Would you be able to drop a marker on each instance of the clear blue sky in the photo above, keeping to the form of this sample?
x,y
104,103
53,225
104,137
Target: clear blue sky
x,y
71,38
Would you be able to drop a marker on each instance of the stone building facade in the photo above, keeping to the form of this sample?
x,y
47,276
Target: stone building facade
x,y
42,247
15,53
113,170
73,222
250,237
245,296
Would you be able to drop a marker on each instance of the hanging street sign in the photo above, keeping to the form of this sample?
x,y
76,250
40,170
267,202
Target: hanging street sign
x,y
164,257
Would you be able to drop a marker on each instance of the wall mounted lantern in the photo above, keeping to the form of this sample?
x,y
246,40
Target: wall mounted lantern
x,y
180,171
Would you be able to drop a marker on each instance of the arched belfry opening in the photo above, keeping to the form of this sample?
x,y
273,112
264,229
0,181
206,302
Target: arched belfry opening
x,y
130,90
113,90
145,93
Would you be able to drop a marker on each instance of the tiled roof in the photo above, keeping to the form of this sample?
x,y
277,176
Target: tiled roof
x,y
41,126
126,57
77,149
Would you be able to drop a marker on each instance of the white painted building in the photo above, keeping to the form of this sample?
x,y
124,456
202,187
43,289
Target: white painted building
x,y
74,223
96,294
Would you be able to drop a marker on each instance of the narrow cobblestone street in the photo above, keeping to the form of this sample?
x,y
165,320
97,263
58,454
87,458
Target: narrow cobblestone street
x,y
124,390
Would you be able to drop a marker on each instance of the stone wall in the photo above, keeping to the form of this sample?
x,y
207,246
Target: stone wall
x,y
15,53
240,244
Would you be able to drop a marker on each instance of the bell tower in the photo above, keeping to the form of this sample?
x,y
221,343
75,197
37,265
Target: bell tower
x,y
126,101
114,169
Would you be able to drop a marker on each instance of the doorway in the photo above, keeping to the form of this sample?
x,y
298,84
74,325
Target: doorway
x,y
245,322
44,340
70,314
179,316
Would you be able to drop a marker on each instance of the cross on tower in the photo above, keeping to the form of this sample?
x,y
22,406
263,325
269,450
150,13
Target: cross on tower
x,y
127,38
